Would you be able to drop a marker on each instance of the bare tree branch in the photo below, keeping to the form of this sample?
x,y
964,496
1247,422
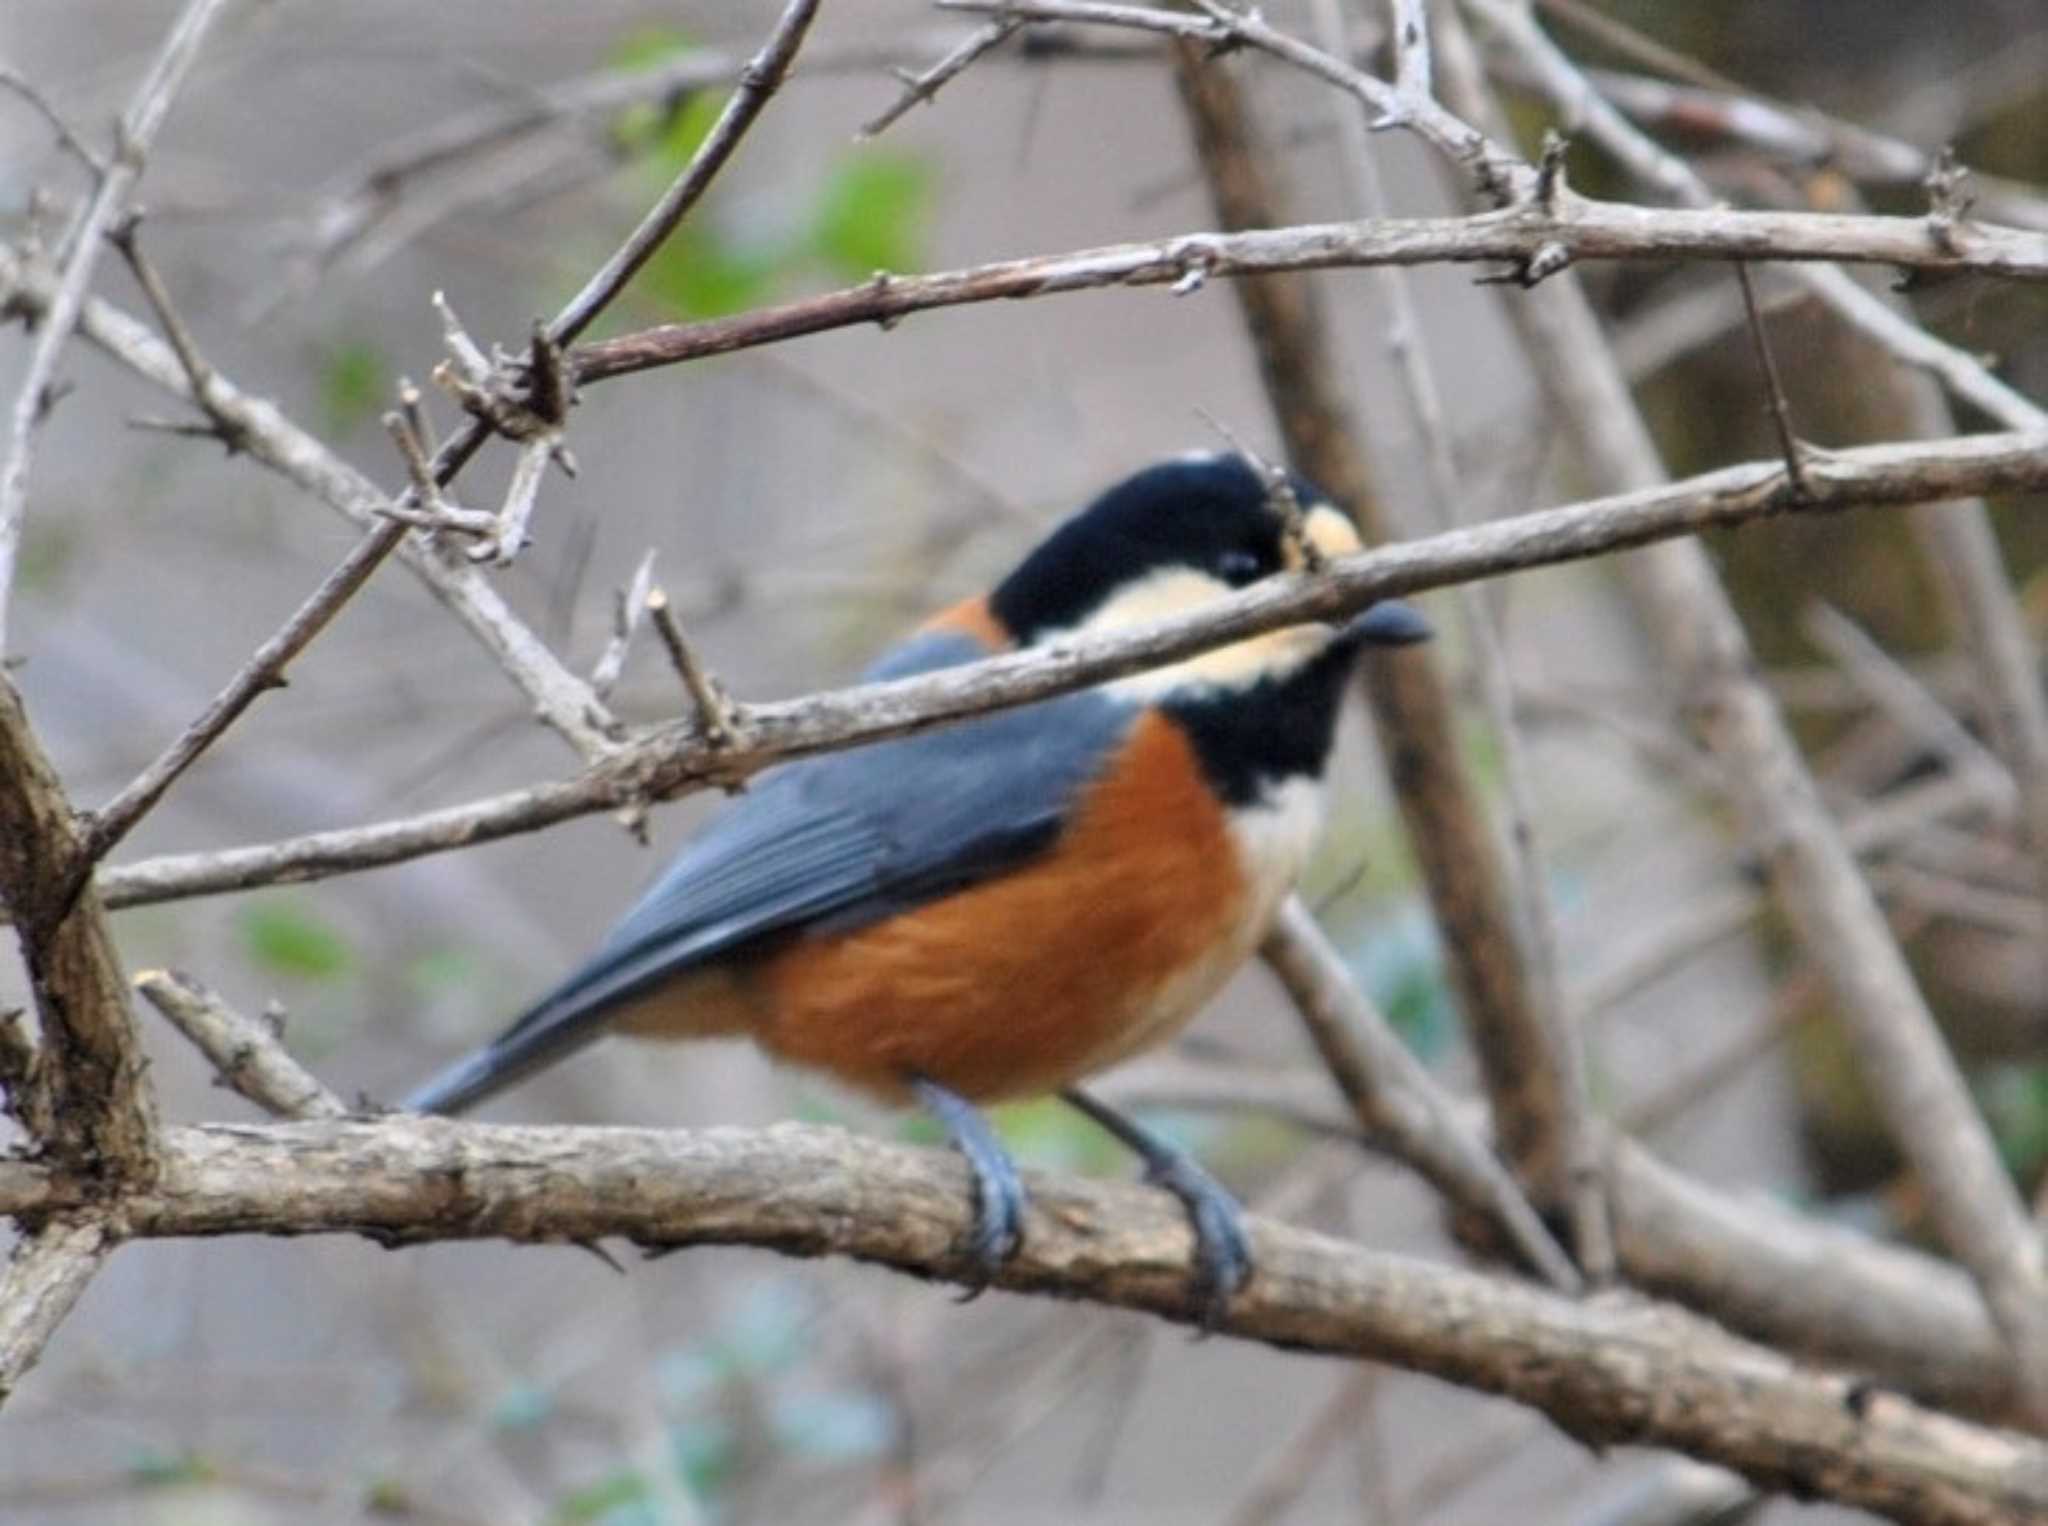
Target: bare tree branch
x,y
1896,691
1819,1290
45,108
629,604
351,207
262,672
1813,874
1580,228
559,697
565,700
136,133
923,87
1960,541
248,1054
1607,1370
46,1274
677,758
1536,918
1449,831
84,1099
757,82
1394,1098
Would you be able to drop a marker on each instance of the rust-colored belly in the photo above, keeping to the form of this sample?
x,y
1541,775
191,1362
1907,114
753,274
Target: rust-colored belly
x,y
1021,985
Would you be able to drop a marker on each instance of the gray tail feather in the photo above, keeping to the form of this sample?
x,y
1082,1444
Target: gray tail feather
x,y
537,1039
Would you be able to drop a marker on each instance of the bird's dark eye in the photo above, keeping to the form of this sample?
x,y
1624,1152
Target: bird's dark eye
x,y
1240,567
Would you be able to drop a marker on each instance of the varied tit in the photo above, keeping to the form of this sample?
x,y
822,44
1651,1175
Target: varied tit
x,y
1000,908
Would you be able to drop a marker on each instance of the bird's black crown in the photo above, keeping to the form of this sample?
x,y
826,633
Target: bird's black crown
x,y
1208,512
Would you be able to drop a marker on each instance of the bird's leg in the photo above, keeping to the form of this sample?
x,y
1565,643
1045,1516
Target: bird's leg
x,y
998,1194
1223,1252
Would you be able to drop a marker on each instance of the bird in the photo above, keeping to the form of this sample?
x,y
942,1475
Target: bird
x,y
1002,908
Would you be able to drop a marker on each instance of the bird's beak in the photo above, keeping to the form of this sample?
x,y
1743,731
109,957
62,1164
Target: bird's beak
x,y
1387,623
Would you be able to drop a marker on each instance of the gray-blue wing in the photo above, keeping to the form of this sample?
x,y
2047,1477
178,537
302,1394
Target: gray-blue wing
x,y
829,842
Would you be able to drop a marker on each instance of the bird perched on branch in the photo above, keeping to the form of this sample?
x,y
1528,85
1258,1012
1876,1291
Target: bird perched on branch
x,y
1001,908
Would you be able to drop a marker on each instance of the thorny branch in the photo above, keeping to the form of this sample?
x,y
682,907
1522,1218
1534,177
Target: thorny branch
x,y
1449,830
136,133
678,758
1813,875
1609,1369
1578,228
79,1089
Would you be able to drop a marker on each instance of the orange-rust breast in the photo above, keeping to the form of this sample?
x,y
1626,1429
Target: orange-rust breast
x,y
1032,980
972,617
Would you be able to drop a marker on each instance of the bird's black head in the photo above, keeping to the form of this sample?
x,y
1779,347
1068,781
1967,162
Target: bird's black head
x,y
1183,534
1151,538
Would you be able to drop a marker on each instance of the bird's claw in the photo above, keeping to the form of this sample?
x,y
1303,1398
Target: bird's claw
x,y
1223,1253
998,1230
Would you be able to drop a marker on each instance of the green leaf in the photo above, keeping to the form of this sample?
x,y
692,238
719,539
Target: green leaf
x,y
670,130
623,1491
2014,1097
707,1455
872,214
699,274
648,47
389,1496
354,378
1054,1134
168,1470
920,1129
287,940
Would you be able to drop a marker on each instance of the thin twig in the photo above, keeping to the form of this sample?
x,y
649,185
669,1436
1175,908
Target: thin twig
x,y
47,110
349,210
920,88
1907,701
248,1054
137,132
1581,229
1567,86
263,671
716,715
1774,385
1922,1097
428,509
1699,1081
758,81
560,698
1536,916
1413,68
43,1280
512,532
1394,1098
628,604
1447,823
671,761
1281,1481
1281,499
2020,917
199,375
